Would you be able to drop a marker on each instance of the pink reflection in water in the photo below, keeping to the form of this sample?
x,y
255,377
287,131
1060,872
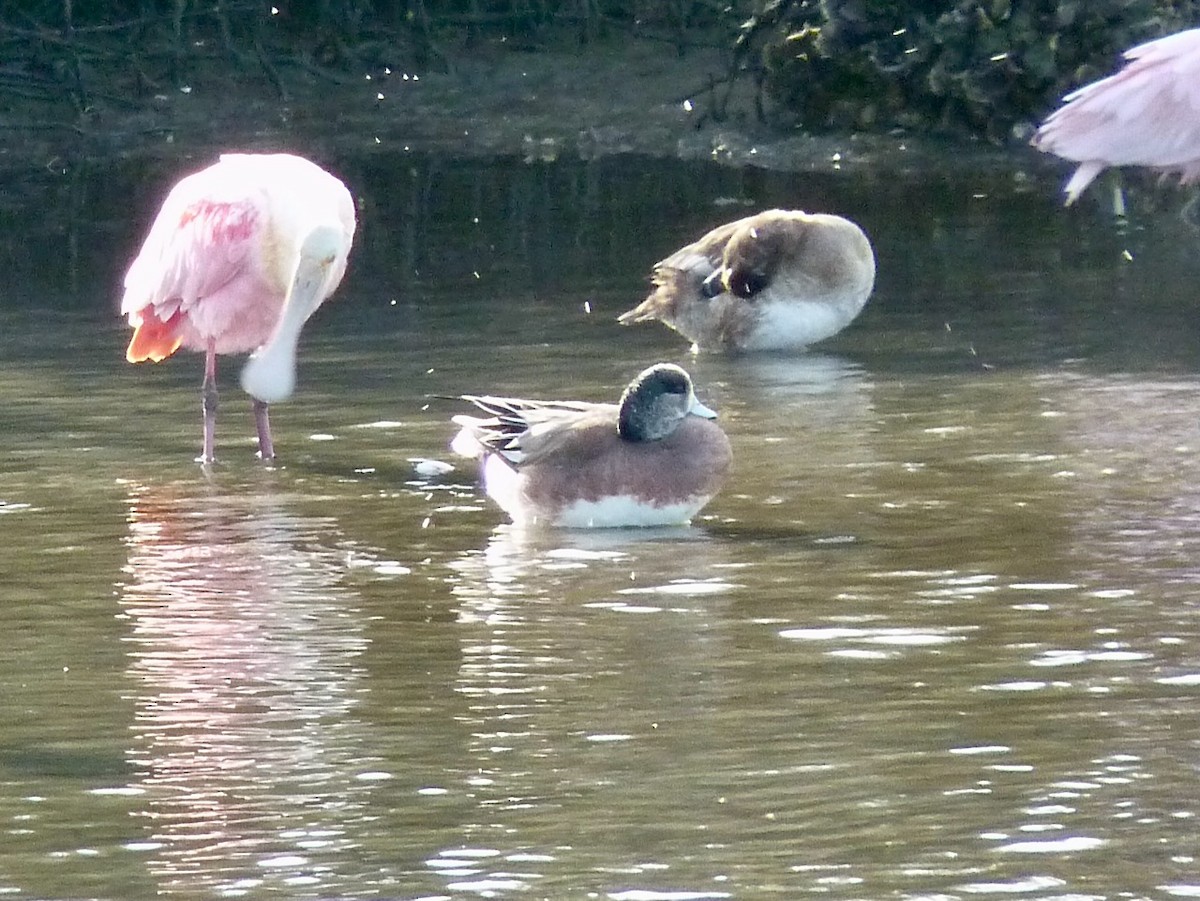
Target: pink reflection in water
x,y
245,644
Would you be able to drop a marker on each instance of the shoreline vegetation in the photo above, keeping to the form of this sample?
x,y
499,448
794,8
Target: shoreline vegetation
x,y
774,83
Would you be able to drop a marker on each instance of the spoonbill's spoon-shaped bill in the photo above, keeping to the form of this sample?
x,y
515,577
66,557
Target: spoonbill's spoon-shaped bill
x,y
270,374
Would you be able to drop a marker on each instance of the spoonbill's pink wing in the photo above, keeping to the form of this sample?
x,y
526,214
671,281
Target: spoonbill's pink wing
x,y
1148,114
200,247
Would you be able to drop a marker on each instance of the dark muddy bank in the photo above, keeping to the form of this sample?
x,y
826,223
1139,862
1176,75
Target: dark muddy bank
x,y
616,96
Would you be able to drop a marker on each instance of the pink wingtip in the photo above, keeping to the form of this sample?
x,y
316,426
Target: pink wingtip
x,y
1083,176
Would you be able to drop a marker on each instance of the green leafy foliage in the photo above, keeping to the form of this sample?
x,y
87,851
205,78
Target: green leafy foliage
x,y
977,67
987,68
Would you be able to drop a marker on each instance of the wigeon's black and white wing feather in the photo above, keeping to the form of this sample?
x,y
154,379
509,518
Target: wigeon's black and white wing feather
x,y
700,262
696,269
522,430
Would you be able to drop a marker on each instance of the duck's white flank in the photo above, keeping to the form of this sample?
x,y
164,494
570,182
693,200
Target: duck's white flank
x,y
625,511
788,324
503,485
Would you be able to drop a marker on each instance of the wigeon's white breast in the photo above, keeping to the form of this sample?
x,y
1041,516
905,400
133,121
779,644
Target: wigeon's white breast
x,y
623,511
795,323
504,485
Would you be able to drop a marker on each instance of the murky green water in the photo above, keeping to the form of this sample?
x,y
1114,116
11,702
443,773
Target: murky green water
x,y
938,638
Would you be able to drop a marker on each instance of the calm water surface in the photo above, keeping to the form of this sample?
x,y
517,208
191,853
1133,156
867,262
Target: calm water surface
x,y
938,638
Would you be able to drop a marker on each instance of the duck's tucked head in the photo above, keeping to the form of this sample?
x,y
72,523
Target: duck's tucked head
x,y
756,253
779,279
656,402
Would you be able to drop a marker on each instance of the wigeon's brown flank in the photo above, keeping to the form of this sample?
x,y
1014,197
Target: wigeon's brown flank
x,y
654,459
777,280
689,464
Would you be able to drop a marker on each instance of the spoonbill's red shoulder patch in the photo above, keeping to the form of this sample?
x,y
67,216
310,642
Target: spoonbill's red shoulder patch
x,y
221,222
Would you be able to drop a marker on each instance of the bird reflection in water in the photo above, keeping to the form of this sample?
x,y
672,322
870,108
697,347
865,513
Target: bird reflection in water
x,y
243,653
558,646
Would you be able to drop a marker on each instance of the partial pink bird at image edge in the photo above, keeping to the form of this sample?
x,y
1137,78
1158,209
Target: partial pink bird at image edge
x,y
1147,114
238,258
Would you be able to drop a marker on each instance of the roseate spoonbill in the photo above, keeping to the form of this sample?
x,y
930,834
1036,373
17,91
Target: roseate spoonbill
x,y
781,279
239,256
1147,114
653,459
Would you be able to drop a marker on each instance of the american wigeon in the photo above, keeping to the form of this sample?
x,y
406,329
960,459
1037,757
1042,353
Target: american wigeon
x,y
654,459
781,279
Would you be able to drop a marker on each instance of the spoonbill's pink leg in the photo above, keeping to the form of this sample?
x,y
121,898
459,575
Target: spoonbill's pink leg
x,y
266,450
208,402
